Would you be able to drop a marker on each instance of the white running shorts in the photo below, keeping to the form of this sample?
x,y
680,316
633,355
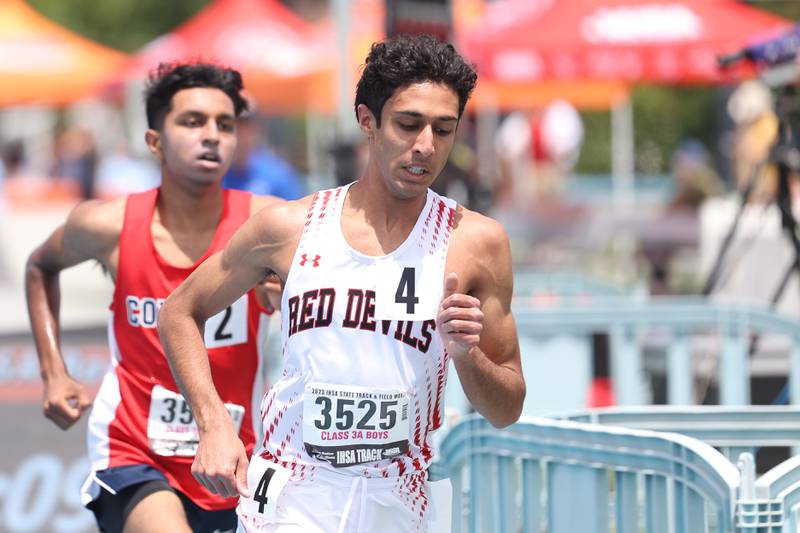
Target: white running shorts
x,y
325,501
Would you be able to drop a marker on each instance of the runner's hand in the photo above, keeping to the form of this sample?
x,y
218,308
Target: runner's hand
x,y
65,400
221,463
268,292
460,319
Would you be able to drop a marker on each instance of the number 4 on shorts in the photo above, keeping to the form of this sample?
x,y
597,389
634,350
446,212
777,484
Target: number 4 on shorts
x,y
266,481
260,494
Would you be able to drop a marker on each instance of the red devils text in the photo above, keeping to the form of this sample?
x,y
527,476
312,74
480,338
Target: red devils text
x,y
314,309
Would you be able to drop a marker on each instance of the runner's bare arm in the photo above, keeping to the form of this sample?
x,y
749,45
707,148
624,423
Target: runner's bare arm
x,y
268,291
261,244
91,231
257,248
479,330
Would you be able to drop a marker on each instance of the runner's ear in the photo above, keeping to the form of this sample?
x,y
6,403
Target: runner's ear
x,y
366,120
153,140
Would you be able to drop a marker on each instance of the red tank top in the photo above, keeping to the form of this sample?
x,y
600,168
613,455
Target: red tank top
x,y
147,400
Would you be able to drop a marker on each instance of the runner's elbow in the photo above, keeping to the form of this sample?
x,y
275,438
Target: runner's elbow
x,y
509,414
36,272
167,316
173,313
505,419
33,266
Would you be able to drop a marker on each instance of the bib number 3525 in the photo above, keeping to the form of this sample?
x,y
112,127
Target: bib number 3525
x,y
346,426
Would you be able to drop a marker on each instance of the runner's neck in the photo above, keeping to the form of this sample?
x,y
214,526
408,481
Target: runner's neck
x,y
179,209
389,216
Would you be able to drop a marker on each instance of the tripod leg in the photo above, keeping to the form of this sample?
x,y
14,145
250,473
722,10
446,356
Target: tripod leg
x,y
789,224
713,276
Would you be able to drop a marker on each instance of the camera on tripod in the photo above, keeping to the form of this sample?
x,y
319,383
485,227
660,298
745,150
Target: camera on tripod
x,y
772,53
776,63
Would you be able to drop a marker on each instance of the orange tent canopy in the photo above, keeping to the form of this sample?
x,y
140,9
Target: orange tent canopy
x,y
585,95
44,63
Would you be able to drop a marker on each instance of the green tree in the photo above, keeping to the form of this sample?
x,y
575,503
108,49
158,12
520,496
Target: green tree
x,y
785,8
662,117
122,24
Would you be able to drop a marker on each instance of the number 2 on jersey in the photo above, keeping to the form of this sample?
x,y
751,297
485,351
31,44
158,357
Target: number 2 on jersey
x,y
406,290
228,327
221,334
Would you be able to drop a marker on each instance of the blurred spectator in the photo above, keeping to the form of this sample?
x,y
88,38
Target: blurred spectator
x,y
668,242
751,108
21,185
558,135
512,143
3,175
120,173
556,140
257,169
695,179
349,160
76,159
537,152
14,162
460,180
11,163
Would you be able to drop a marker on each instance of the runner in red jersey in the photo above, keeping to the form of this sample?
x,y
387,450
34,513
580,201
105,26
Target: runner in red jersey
x,y
142,434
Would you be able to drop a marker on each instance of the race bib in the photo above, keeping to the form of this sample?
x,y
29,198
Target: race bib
x,y
404,293
171,429
228,327
348,426
265,482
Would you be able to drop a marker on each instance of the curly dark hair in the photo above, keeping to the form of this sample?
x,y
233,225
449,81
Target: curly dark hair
x,y
404,60
169,78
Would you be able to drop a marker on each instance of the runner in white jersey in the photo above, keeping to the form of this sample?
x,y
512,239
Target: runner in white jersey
x,y
384,283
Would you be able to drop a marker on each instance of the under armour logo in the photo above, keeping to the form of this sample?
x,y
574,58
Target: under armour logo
x,y
305,260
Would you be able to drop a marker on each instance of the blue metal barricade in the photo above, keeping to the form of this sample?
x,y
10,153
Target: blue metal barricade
x,y
561,477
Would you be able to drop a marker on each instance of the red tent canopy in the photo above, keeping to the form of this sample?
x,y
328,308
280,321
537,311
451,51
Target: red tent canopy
x,y
264,40
660,41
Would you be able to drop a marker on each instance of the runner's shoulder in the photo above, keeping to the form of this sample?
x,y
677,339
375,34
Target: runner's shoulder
x,y
484,234
100,219
260,201
282,215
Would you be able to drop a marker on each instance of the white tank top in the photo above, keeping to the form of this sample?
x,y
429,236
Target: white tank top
x,y
364,369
